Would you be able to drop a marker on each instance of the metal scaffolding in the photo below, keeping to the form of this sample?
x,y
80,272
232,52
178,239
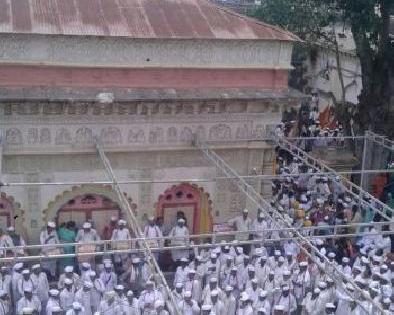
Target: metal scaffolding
x,y
124,204
265,206
354,190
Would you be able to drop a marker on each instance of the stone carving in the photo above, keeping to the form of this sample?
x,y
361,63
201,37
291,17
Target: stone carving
x,y
259,132
201,132
13,136
45,136
156,135
53,108
78,109
166,109
136,136
108,109
172,134
63,136
207,107
186,134
32,136
243,132
84,136
27,109
111,135
220,132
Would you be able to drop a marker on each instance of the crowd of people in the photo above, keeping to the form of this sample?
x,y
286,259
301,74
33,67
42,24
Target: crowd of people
x,y
264,270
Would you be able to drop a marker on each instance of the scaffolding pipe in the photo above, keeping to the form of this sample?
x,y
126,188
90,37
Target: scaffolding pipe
x,y
317,165
178,247
190,180
258,201
217,235
133,220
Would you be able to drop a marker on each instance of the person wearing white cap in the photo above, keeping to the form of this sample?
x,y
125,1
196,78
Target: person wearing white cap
x,y
229,301
109,277
108,305
178,292
188,306
5,305
121,237
262,303
148,297
5,280
253,290
49,238
25,282
310,304
193,285
344,298
87,234
270,285
218,307
213,285
131,308
76,309
40,282
159,308
262,269
152,230
180,237
206,309
84,296
260,225
53,301
28,300
288,300
181,271
302,282
245,307
12,239
68,274
15,277
67,294
345,266
242,223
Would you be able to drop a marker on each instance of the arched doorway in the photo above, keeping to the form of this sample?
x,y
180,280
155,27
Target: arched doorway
x,y
89,207
192,201
86,202
10,212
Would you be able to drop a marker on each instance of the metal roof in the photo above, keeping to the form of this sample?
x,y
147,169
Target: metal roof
x,y
165,19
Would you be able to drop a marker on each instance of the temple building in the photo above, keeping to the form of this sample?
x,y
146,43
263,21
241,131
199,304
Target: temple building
x,y
143,78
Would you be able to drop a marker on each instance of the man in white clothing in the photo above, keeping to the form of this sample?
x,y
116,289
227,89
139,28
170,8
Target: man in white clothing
x,y
49,236
132,306
193,285
288,301
188,306
84,296
159,308
5,305
148,297
53,301
122,237
242,224
263,303
152,230
68,274
108,306
108,277
77,309
180,237
229,301
302,283
217,305
28,300
40,283
67,295
15,277
245,307
25,282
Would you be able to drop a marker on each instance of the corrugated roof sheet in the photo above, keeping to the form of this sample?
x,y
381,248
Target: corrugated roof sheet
x,y
177,19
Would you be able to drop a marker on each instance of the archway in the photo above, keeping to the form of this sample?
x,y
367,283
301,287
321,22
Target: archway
x,y
86,202
10,213
192,201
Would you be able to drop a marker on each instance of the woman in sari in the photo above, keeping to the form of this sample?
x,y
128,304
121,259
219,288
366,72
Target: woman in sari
x,y
67,234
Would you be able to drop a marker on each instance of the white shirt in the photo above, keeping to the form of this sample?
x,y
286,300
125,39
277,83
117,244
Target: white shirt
x,y
243,225
34,303
41,285
187,309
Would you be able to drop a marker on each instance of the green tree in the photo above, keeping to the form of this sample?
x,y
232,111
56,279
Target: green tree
x,y
369,21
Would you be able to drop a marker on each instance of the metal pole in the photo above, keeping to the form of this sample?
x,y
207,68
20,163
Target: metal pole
x,y
259,201
363,164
